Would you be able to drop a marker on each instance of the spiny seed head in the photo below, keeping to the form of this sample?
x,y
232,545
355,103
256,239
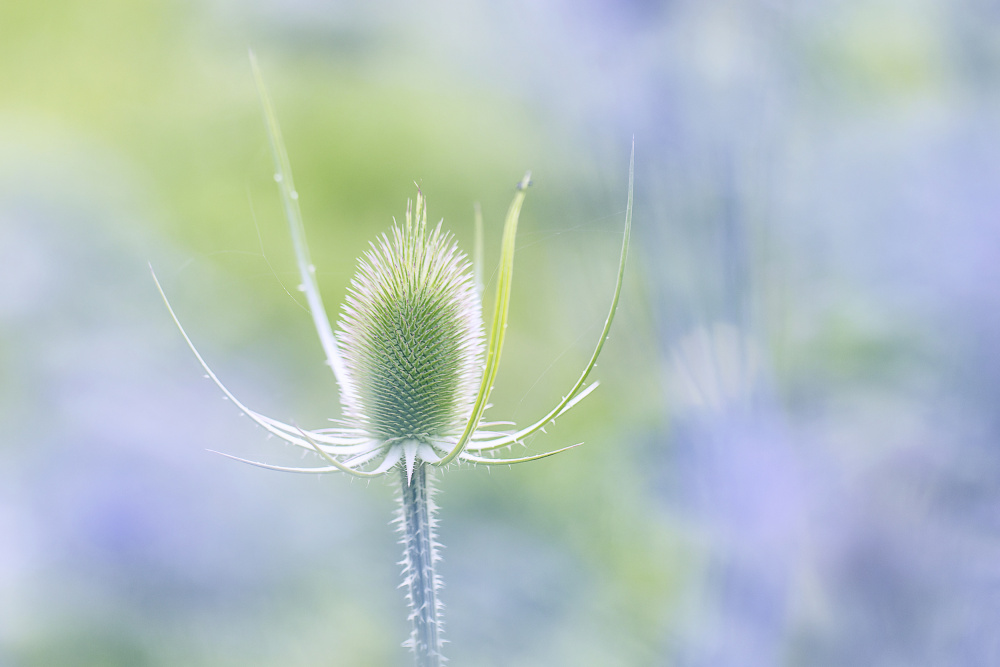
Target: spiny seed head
x,y
411,333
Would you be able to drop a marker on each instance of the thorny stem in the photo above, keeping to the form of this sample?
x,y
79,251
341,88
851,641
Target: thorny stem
x,y
419,557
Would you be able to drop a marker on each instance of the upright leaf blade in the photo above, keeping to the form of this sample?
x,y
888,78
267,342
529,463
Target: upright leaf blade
x,y
498,329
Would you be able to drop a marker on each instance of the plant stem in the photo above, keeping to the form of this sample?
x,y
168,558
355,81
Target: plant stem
x,y
419,556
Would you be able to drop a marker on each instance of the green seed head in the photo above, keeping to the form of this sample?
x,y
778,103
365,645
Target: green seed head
x,y
411,334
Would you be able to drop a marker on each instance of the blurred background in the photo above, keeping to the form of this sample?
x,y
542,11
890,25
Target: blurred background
x,y
793,456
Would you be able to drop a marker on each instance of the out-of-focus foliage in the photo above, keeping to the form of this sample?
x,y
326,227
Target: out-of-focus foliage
x,y
792,459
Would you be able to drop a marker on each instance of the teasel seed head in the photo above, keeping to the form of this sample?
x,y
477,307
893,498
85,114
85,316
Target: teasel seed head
x,y
411,334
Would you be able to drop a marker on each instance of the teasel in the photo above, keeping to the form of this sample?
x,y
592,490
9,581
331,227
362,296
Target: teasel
x,y
415,369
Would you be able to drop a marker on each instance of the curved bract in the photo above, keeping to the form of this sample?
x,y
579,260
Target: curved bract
x,y
414,367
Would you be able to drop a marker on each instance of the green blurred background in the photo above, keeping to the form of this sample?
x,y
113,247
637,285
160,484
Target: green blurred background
x,y
791,459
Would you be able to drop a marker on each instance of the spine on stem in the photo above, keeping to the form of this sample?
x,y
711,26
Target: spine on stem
x,y
420,555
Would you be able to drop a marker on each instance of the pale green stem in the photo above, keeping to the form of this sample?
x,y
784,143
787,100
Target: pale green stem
x,y
419,557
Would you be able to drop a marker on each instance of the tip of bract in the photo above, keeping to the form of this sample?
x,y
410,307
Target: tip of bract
x,y
410,457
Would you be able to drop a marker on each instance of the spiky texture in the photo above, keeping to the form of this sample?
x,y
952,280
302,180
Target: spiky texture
x,y
411,334
417,523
